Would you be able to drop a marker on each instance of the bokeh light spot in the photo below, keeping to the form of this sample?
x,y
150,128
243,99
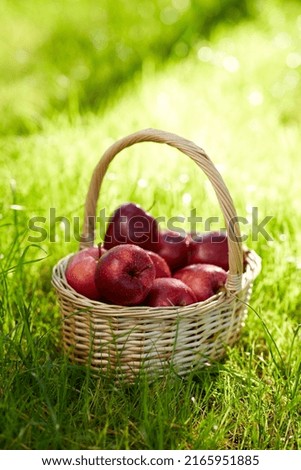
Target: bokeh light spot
x,y
293,60
255,98
231,64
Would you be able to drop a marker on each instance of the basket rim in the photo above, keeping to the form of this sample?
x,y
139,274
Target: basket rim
x,y
64,290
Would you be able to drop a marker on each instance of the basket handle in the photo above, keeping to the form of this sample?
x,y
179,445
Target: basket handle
x,y
199,156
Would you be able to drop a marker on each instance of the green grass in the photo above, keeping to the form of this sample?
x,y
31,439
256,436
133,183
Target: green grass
x,y
65,57
235,94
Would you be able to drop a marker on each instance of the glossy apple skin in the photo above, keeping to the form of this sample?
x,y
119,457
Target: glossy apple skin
x,y
162,268
80,272
209,248
130,224
204,279
173,247
124,275
166,292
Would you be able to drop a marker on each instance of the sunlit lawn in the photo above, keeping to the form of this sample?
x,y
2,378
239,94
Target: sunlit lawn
x,y
236,95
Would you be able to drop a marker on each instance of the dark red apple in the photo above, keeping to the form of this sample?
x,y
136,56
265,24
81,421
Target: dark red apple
x,y
204,279
125,275
130,224
162,268
173,247
209,248
80,272
167,291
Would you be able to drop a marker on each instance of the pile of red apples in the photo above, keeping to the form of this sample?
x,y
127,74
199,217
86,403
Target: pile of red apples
x,y
140,264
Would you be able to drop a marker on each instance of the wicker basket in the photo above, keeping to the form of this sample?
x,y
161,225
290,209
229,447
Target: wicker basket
x,y
128,340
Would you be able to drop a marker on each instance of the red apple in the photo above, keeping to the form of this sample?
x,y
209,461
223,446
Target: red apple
x,y
209,248
173,247
92,251
80,272
204,279
162,268
125,275
130,224
167,291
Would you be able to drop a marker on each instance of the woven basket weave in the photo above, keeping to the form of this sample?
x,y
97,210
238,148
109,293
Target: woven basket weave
x,y
127,340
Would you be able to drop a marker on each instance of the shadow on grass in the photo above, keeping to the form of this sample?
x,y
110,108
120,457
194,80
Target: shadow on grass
x,y
79,57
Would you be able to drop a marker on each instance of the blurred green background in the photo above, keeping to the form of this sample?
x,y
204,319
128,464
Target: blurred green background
x,y
76,56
